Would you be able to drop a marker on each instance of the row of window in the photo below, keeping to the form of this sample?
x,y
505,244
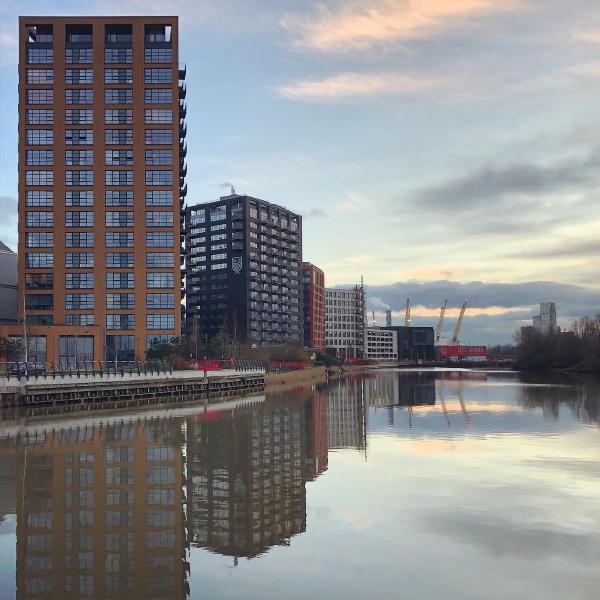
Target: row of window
x,y
80,239
86,198
85,137
84,56
119,116
111,75
85,158
114,280
117,301
86,177
86,219
81,260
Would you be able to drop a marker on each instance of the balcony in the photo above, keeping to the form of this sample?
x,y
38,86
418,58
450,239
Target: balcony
x,y
182,72
182,109
182,91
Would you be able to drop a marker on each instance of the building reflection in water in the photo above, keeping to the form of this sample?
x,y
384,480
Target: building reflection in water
x,y
99,512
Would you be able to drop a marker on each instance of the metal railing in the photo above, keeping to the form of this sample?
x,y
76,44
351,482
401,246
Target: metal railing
x,y
18,369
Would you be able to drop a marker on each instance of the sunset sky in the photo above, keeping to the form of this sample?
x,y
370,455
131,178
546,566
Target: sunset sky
x,y
442,148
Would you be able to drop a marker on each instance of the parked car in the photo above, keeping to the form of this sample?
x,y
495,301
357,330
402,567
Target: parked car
x,y
29,368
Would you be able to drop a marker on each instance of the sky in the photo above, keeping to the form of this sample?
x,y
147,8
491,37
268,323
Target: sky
x,y
440,148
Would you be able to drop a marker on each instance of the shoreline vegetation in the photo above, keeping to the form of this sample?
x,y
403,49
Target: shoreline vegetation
x,y
577,350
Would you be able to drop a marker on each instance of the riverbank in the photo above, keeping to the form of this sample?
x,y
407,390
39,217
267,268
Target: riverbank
x,y
131,387
299,377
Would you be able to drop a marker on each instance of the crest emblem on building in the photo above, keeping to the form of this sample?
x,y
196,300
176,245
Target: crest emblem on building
x,y
236,264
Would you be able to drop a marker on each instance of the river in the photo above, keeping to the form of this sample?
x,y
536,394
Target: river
x,y
401,484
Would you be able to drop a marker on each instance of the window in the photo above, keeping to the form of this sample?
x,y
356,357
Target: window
x,y
39,177
121,56
39,157
159,219
158,239
157,75
118,198
119,239
158,95
79,239
83,218
79,260
39,116
219,256
119,322
78,56
79,281
40,76
159,197
218,266
39,260
159,177
158,115
40,56
119,157
79,96
161,496
79,198
39,96
119,219
39,137
155,137
160,280
158,55
118,116
78,76
79,158
159,259
119,280
39,198
118,177
119,259
160,321
38,301
78,137
39,281
79,177
39,219
160,474
160,300
78,319
119,301
118,96
79,116
159,157
79,301
118,136
118,76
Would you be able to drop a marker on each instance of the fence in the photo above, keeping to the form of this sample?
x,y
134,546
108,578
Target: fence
x,y
92,368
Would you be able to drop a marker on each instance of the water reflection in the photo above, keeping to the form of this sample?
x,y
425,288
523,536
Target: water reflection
x,y
108,508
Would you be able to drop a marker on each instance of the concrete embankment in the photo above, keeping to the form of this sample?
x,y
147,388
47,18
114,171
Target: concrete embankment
x,y
300,377
94,389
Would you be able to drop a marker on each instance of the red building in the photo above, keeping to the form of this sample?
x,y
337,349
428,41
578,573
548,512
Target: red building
x,y
461,352
313,283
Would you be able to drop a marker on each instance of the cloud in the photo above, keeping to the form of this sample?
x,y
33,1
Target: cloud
x,y
481,187
316,213
494,311
357,85
590,36
344,26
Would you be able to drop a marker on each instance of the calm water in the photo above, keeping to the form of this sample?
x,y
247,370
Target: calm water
x,y
401,485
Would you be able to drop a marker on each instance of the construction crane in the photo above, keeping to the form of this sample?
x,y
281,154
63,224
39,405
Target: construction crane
x,y
459,323
440,323
407,314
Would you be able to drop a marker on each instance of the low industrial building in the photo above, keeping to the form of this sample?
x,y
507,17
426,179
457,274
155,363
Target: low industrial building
x,y
381,344
414,343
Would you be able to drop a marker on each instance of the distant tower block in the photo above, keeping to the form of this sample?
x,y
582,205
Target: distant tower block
x,y
388,318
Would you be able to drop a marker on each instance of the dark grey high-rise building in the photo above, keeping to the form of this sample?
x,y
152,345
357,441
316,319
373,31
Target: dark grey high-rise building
x,y
243,271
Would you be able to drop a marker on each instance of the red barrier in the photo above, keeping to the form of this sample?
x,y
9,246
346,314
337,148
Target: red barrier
x,y
207,365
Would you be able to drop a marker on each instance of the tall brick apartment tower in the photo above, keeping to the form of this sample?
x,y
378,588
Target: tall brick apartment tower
x,y
101,183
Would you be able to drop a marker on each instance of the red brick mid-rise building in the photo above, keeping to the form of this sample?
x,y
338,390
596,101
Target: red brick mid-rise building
x,y
101,182
313,281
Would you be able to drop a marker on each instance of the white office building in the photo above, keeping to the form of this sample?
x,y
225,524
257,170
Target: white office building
x,y
381,344
345,321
